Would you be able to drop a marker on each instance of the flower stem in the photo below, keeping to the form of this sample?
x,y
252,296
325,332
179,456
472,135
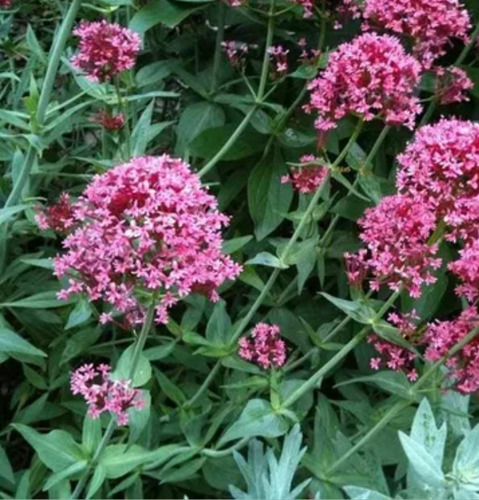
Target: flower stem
x,y
124,111
218,48
139,346
269,42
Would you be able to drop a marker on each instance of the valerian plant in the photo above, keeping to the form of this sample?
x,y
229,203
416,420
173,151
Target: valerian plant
x,y
239,253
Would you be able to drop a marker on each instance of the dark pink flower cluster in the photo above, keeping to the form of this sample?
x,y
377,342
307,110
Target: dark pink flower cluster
x,y
102,394
235,52
265,347
279,61
452,85
339,9
392,356
108,120
370,77
5,3
441,336
58,217
441,165
308,177
431,24
397,233
145,230
466,268
105,49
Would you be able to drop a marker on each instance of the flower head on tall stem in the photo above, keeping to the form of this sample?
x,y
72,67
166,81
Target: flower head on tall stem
x,y
105,49
307,178
145,229
431,24
371,77
103,394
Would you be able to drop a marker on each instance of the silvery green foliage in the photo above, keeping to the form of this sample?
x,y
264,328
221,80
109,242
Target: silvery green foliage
x,y
267,477
425,450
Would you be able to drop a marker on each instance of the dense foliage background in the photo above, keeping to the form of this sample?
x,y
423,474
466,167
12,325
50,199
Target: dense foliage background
x,y
214,425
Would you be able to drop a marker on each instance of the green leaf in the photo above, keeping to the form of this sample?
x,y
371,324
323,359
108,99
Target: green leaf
x,y
391,334
7,213
166,12
42,300
466,461
195,119
91,434
139,136
152,73
358,493
257,419
171,390
266,259
219,325
73,469
268,198
210,141
97,480
12,342
422,462
392,382
80,314
6,471
143,370
57,449
232,246
358,311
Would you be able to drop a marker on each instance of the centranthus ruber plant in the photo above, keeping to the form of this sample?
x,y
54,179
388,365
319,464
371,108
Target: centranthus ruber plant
x,y
239,249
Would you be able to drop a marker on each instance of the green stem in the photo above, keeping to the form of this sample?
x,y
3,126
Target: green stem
x,y
227,451
219,155
401,405
139,346
269,43
124,111
218,48
101,446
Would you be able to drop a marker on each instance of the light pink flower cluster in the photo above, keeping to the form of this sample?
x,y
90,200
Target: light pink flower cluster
x,y
466,268
441,165
145,230
396,233
234,3
235,52
102,394
452,85
108,120
392,356
371,77
105,49
309,57
279,61
440,337
431,24
308,177
265,347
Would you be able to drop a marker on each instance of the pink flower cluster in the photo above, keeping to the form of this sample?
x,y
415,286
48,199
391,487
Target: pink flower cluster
x,y
102,394
279,61
235,52
105,49
441,336
452,85
371,77
431,24
58,217
145,230
342,9
396,233
308,177
5,3
108,120
265,347
309,57
392,356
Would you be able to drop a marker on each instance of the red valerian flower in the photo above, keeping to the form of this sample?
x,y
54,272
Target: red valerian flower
x,y
144,229
370,77
109,121
452,85
105,49
103,394
307,178
264,347
432,24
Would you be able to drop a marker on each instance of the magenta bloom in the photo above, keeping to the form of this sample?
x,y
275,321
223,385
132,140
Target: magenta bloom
x,y
442,166
431,24
344,9
307,178
5,3
145,229
371,77
102,394
235,52
392,356
396,233
105,49
264,347
441,336
109,121
57,217
279,60
452,85
466,268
